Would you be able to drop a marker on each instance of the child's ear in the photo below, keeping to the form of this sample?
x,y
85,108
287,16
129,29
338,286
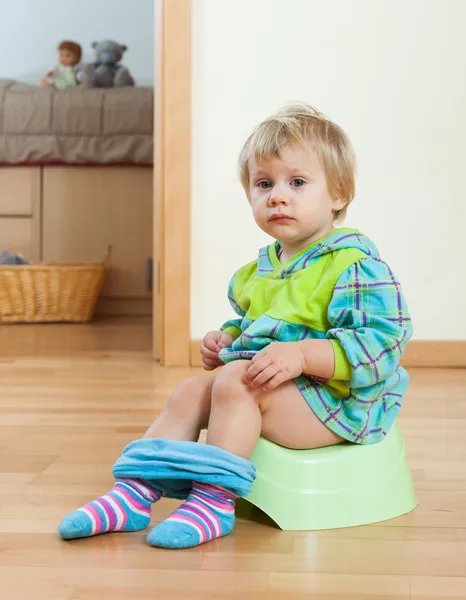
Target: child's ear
x,y
339,203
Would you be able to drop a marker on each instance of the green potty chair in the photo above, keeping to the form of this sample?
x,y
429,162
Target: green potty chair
x,y
339,486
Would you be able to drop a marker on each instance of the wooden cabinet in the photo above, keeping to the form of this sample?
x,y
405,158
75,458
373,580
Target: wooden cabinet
x,y
85,210
20,214
74,213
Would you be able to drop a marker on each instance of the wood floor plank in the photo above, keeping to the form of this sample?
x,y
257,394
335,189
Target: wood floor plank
x,y
301,586
71,397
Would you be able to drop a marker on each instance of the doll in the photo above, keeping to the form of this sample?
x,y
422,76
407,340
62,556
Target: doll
x,y
65,73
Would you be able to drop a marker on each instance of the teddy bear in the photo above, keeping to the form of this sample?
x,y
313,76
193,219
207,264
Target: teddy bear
x,y
106,71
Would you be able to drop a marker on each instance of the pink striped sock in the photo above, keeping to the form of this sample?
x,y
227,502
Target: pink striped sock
x,y
127,507
208,513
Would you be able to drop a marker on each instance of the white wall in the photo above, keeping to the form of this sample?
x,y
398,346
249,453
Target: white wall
x,y
393,74
30,31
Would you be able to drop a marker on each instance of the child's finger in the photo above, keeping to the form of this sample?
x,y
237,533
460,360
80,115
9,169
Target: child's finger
x,y
263,377
273,383
210,365
208,353
258,356
210,361
211,345
225,340
255,368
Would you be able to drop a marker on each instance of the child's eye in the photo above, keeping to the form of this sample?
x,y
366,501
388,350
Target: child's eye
x,y
264,184
297,182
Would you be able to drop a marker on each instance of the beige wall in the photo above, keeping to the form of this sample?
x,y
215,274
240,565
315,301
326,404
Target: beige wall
x,y
393,74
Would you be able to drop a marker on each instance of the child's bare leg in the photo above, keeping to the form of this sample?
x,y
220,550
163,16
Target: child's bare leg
x,y
127,507
239,416
186,413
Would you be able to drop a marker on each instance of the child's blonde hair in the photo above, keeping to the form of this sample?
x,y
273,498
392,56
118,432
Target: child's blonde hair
x,y
294,125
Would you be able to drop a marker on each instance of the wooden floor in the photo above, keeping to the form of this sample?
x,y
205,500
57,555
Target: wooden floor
x,y
73,396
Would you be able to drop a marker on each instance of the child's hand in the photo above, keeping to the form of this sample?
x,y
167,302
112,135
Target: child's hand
x,y
275,364
211,346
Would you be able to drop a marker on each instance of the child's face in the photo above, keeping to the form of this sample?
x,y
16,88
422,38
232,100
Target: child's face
x,y
67,58
290,199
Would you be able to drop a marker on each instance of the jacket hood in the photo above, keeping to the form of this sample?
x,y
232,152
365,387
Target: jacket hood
x,y
344,238
339,239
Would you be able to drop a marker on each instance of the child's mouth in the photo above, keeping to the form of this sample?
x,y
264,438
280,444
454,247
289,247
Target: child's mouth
x,y
278,218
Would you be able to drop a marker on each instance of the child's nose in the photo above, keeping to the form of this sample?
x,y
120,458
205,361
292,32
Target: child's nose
x,y
278,196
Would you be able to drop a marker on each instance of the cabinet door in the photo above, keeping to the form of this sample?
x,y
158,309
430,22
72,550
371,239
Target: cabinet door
x,y
19,190
16,236
85,209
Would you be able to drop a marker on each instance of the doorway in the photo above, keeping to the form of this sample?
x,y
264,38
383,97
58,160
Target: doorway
x,y
172,182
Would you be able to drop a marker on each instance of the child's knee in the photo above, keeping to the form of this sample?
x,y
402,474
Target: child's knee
x,y
193,392
230,380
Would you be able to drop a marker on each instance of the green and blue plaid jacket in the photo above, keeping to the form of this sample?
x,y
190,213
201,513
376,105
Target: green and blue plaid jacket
x,y
337,289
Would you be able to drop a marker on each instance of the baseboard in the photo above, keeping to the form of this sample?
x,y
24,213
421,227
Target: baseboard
x,y
435,354
195,353
138,307
419,353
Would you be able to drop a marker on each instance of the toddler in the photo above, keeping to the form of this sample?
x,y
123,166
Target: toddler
x,y
312,359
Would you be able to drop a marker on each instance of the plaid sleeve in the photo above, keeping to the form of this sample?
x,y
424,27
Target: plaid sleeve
x,y
370,323
233,326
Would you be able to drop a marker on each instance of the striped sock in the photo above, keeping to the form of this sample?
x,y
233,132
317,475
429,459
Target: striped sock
x,y
208,513
127,507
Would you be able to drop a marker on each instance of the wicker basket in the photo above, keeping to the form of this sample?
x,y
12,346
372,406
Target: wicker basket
x,y
51,292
